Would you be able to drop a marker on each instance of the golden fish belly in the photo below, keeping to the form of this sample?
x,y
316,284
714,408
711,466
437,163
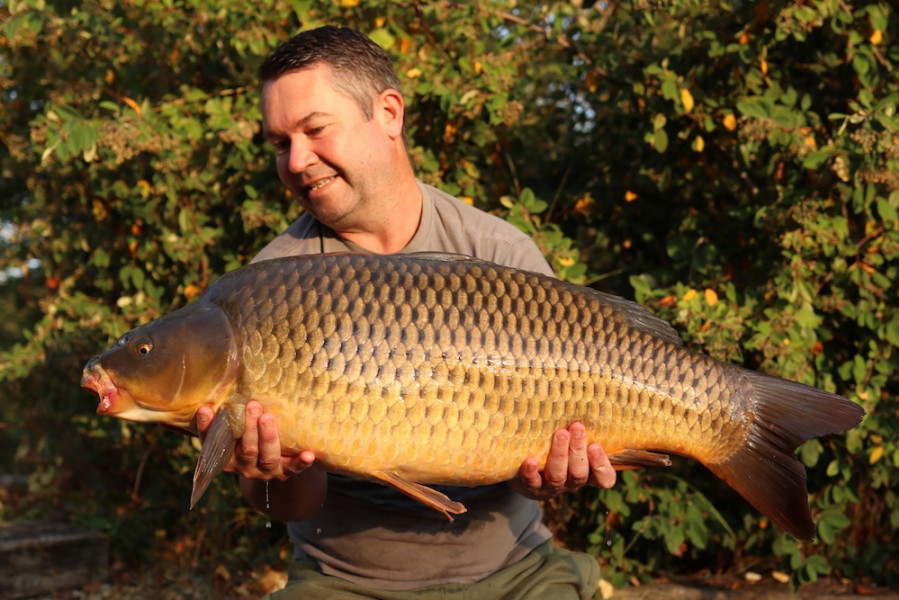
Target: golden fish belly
x,y
454,374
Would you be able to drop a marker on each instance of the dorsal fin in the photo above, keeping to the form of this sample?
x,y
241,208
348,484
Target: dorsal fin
x,y
444,256
640,317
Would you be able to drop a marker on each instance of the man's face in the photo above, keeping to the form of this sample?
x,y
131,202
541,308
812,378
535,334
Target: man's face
x,y
333,159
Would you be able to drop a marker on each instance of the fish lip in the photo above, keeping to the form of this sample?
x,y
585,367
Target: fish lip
x,y
95,379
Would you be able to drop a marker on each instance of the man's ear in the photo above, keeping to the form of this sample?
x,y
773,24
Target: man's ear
x,y
390,109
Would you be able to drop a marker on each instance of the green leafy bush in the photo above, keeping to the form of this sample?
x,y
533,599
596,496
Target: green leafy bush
x,y
731,165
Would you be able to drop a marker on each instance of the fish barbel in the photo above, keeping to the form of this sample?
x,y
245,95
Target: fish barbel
x,y
428,368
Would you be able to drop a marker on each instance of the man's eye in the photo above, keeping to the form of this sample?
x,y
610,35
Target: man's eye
x,y
316,131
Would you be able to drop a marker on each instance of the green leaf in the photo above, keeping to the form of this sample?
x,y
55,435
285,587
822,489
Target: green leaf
x,y
886,210
382,37
754,107
660,141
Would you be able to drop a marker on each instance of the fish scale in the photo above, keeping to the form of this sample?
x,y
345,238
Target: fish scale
x,y
438,369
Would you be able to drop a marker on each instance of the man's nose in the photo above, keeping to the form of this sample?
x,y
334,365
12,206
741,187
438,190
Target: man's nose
x,y
302,155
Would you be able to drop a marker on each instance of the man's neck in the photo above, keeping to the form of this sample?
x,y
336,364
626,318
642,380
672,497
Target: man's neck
x,y
395,226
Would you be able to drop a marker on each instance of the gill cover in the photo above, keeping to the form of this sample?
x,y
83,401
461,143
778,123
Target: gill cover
x,y
166,369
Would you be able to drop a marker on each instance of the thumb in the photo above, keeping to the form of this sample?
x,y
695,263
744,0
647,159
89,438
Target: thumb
x,y
204,420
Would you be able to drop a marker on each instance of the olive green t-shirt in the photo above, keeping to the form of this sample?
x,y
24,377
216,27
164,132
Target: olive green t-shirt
x,y
370,534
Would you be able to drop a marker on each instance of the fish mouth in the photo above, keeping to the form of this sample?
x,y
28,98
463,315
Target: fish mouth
x,y
94,379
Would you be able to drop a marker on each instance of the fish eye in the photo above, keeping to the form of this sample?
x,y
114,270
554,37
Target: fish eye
x,y
144,346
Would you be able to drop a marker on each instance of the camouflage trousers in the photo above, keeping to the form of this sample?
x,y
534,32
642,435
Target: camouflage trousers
x,y
547,572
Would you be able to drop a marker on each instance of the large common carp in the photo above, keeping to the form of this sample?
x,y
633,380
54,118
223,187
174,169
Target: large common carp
x,y
438,369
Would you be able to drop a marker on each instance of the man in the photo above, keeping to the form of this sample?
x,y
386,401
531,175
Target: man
x,y
333,112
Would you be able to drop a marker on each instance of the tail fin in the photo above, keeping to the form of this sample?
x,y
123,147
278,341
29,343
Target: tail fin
x,y
765,471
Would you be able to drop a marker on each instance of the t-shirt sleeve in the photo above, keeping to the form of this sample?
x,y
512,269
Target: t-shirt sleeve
x,y
299,238
523,254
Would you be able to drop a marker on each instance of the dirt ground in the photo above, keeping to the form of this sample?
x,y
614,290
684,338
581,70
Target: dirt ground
x,y
717,588
735,588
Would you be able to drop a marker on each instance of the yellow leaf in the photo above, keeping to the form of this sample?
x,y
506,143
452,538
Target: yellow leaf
x,y
99,209
134,105
566,261
691,293
110,76
744,38
711,297
467,200
876,37
350,4
449,131
729,122
780,577
698,144
841,168
413,73
591,80
876,455
583,205
810,142
686,99
630,196
764,66
606,589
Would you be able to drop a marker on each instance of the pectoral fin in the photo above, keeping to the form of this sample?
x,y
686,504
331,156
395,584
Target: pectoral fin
x,y
627,460
427,496
218,448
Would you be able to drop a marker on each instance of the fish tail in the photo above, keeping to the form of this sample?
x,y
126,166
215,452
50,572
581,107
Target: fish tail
x,y
765,470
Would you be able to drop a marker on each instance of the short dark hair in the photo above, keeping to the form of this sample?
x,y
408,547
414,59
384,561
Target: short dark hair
x,y
361,68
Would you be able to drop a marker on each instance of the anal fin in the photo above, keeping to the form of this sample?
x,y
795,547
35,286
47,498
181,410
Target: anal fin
x,y
427,496
627,460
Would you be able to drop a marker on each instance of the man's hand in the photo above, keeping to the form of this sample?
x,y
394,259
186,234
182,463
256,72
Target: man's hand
x,y
570,465
257,454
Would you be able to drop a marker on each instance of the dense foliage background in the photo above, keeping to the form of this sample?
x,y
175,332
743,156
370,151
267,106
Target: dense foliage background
x,y
733,165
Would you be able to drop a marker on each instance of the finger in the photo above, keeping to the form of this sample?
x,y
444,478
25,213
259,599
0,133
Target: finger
x,y
247,451
530,474
294,465
578,463
555,473
269,444
204,420
602,474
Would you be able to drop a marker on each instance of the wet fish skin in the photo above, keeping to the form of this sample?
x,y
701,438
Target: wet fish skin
x,y
434,369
